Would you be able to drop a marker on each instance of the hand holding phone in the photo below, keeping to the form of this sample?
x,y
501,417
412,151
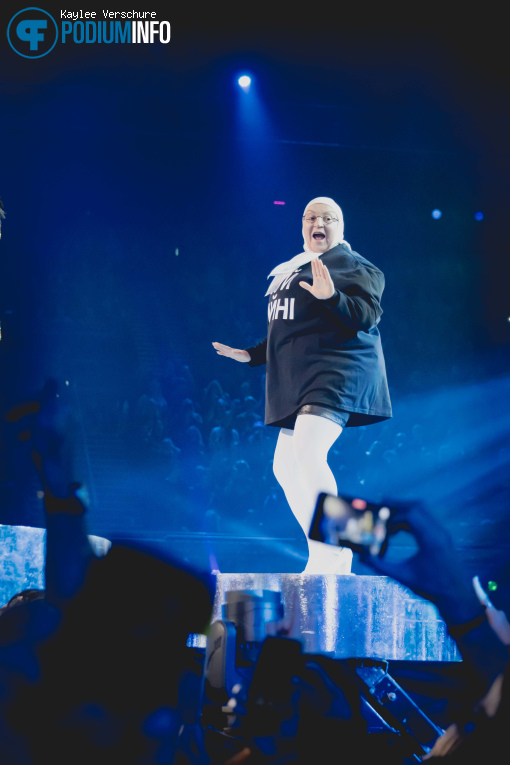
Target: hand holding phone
x,y
351,522
435,571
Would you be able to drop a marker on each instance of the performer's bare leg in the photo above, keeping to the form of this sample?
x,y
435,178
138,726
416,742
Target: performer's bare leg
x,y
301,468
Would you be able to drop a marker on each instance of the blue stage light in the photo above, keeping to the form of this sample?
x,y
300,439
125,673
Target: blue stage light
x,y
244,82
436,214
479,215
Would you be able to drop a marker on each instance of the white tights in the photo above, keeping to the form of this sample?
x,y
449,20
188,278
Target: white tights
x,y
301,468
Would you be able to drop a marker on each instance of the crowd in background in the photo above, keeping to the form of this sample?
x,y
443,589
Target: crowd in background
x,y
212,441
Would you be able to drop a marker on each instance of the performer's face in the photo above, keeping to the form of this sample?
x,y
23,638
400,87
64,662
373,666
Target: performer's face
x,y
318,233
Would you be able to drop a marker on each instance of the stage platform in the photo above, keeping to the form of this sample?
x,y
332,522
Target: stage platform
x,y
343,616
350,616
22,558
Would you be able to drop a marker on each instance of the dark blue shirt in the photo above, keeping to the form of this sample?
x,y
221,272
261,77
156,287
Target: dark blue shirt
x,y
326,351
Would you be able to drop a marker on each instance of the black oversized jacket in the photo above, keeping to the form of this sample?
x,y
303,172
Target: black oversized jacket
x,y
326,351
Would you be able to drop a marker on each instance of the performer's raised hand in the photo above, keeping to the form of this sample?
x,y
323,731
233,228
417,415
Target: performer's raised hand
x,y
322,287
232,353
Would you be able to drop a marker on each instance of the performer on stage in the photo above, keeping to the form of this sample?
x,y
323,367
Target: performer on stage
x,y
325,365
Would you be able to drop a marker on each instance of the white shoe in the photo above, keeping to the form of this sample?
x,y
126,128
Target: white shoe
x,y
324,559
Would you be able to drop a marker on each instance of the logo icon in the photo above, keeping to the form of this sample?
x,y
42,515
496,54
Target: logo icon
x,y
32,33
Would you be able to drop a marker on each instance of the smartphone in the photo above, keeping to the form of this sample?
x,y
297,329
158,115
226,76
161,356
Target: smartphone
x,y
350,522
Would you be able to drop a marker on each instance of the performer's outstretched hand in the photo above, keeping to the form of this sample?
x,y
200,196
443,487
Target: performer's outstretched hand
x,y
233,353
322,287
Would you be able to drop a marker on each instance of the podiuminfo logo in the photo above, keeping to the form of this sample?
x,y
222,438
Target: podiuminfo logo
x,y
33,32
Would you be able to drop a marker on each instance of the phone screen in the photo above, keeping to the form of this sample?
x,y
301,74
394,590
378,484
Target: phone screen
x,y
350,522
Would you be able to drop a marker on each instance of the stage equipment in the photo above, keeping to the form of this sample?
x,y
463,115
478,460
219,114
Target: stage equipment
x,y
234,642
384,696
266,679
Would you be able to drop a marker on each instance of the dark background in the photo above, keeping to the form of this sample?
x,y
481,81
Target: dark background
x,y
114,158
